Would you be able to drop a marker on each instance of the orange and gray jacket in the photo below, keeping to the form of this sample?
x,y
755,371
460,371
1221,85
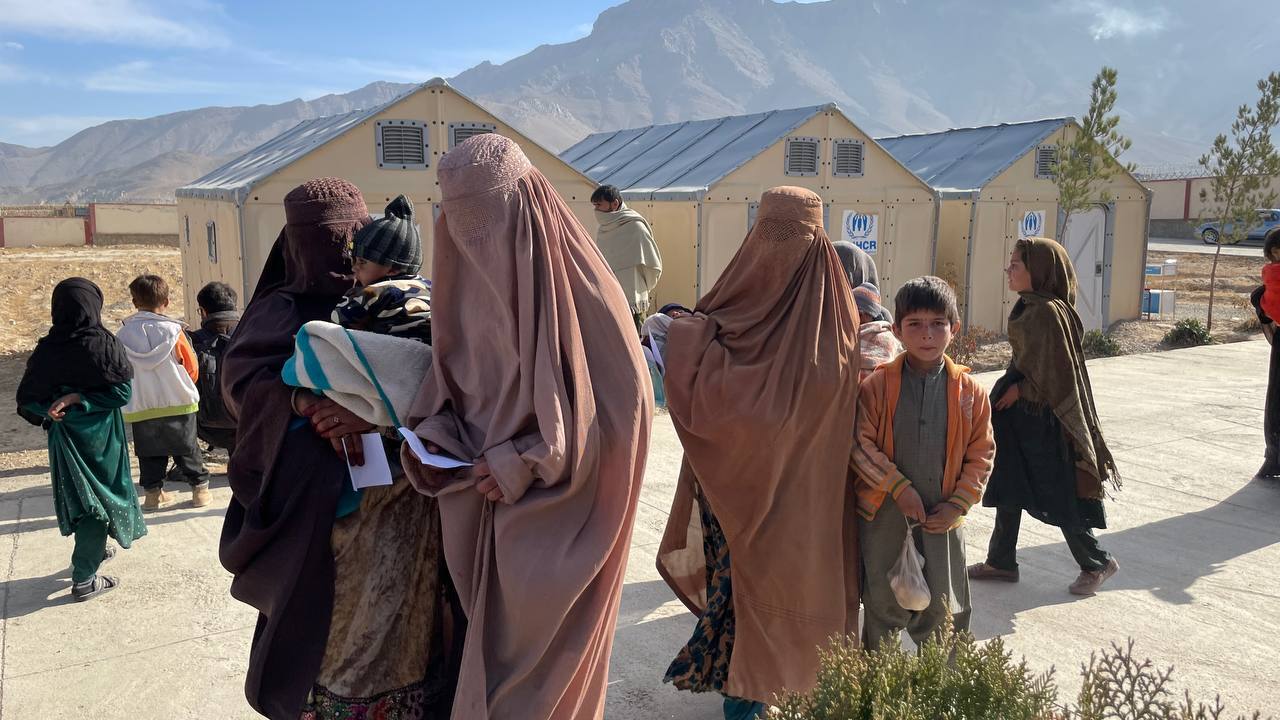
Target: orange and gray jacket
x,y
971,447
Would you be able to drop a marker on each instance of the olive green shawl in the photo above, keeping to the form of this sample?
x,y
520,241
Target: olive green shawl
x,y
1046,333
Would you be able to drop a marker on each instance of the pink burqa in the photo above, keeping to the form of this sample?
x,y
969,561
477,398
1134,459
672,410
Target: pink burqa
x,y
762,384
538,373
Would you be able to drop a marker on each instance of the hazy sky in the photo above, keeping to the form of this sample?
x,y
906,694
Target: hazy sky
x,y
68,64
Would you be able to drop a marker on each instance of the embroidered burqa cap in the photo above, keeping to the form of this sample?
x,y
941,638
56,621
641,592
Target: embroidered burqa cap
x,y
537,372
761,383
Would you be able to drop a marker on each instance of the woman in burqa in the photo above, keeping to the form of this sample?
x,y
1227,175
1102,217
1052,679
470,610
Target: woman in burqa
x,y
538,380
1051,459
761,384
350,602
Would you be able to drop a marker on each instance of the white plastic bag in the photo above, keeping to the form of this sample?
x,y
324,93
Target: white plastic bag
x,y
907,577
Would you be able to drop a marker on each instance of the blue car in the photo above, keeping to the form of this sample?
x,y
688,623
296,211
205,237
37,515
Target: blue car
x,y
1269,222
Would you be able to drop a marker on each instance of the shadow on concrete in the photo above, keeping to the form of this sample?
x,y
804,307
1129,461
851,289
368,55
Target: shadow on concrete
x,y
1164,558
20,472
25,596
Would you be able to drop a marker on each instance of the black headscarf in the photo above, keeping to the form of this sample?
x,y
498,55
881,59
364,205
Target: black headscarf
x,y
78,352
859,267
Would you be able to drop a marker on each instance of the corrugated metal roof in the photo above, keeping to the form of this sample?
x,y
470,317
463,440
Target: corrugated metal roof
x,y
680,161
234,180
964,160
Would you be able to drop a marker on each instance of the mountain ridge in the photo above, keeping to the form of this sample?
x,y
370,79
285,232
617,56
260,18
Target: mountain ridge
x,y
893,66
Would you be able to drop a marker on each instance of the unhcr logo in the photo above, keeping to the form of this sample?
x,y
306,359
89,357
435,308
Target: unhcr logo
x,y
859,226
1032,224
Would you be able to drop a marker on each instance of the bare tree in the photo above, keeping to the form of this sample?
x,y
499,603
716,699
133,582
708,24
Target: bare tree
x,y
1090,159
1242,167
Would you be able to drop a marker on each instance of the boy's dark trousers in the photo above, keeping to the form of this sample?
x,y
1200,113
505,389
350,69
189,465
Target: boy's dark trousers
x,y
157,440
154,470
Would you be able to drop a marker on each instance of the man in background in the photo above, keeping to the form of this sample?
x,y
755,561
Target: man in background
x,y
627,242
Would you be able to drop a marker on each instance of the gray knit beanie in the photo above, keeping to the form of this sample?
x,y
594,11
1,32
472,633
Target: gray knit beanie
x,y
391,239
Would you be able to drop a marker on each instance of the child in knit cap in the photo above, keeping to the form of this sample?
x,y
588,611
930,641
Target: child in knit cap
x,y
877,343
389,298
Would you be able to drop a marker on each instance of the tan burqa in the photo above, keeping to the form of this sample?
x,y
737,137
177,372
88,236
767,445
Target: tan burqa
x,y
762,383
537,372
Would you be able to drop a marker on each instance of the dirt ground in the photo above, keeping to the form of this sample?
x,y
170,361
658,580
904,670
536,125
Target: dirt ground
x,y
27,276
1233,317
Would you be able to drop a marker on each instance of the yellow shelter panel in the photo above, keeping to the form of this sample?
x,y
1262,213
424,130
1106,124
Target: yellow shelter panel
x,y
988,296
1127,262
210,240
909,233
724,227
951,261
675,231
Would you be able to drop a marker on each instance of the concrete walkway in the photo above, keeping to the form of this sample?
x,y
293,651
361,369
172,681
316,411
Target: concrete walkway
x,y
1198,541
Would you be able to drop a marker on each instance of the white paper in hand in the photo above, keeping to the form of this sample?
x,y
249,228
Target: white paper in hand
x,y
376,470
444,462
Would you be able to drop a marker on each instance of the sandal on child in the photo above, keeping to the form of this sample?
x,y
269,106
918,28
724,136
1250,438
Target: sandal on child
x,y
93,587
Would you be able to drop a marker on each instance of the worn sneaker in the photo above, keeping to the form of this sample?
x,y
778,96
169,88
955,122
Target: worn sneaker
x,y
200,495
93,587
983,571
1091,580
156,500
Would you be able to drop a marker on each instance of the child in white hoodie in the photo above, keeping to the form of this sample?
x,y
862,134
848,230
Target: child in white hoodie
x,y
163,406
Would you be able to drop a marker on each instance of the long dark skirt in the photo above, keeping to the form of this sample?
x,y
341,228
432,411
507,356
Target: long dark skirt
x,y
1035,470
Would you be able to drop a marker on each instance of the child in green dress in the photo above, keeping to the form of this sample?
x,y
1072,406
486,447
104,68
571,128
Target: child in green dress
x,y
76,381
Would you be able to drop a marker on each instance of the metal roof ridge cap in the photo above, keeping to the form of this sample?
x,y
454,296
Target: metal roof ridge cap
x,y
1061,120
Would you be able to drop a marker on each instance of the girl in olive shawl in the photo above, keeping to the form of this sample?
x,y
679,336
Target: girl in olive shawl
x,y
75,383
1051,459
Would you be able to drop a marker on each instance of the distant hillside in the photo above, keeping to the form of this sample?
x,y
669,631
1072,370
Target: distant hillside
x,y
894,66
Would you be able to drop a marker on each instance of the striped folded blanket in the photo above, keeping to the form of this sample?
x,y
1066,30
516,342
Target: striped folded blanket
x,y
374,376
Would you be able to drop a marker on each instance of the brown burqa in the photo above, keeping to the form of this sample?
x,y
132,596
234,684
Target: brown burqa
x,y
285,480
762,383
537,372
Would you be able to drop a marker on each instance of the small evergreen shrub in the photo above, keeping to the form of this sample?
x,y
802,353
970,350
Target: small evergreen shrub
x,y
889,683
1100,344
1188,332
982,682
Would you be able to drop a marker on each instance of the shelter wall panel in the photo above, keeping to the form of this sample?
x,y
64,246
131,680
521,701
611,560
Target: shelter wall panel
x,y
43,231
1127,260
675,230
988,296
724,227
135,219
952,259
908,246
198,268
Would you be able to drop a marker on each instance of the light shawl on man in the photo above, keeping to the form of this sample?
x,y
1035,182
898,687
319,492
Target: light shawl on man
x,y
626,240
285,484
537,372
1046,335
762,384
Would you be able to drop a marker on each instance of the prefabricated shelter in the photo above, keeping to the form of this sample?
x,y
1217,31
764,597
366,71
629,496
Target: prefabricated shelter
x,y
996,185
229,219
699,184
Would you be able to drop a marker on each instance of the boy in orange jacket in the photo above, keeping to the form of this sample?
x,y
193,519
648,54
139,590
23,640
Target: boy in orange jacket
x,y
924,443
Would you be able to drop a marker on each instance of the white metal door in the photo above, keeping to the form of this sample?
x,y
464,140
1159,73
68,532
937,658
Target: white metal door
x,y
1086,243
